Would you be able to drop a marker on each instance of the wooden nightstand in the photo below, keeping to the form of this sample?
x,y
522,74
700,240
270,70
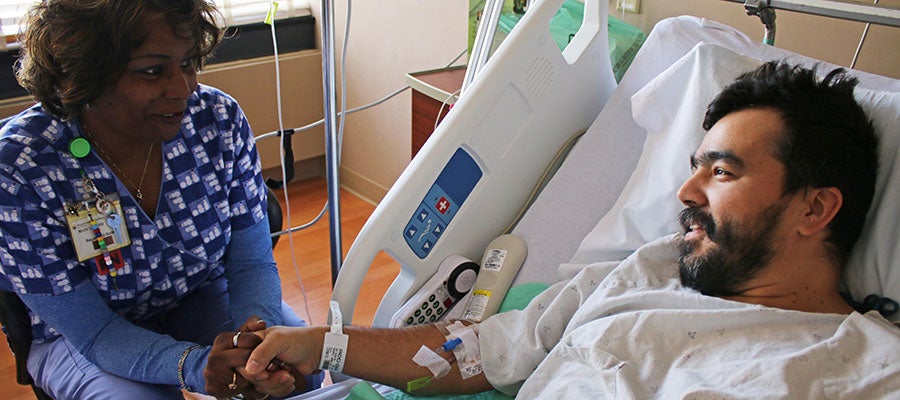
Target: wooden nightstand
x,y
431,89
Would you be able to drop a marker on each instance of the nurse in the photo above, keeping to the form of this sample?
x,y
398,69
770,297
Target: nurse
x,y
132,208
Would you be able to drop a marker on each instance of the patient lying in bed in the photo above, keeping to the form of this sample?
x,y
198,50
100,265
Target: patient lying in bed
x,y
743,303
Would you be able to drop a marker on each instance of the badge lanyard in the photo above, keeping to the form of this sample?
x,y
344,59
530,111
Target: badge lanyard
x,y
96,222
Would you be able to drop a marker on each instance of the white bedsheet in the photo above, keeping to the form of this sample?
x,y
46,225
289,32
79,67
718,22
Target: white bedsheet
x,y
632,331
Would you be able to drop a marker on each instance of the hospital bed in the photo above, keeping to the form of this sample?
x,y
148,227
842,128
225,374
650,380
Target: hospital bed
x,y
608,196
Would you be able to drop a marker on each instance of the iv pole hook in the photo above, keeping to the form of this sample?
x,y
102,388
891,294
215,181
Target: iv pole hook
x,y
766,14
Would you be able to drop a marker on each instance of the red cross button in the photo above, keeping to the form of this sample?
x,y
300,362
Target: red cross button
x,y
443,205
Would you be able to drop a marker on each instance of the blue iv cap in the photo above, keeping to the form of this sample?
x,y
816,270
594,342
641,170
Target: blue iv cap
x,y
450,345
79,147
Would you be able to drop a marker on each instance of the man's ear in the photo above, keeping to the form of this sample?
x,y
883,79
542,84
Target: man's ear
x,y
822,204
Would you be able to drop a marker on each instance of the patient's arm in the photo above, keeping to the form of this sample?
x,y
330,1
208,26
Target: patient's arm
x,y
378,355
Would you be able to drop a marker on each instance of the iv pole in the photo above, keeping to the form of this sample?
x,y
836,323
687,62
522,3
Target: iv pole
x,y
332,150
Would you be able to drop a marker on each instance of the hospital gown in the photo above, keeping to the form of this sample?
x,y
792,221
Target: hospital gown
x,y
633,331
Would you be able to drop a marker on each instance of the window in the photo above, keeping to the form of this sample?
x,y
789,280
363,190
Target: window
x,y
242,12
11,12
236,12
296,32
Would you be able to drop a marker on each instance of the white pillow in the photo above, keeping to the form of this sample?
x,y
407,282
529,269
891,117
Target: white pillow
x,y
874,263
671,108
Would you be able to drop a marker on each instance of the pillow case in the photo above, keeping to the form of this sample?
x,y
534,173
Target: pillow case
x,y
671,109
874,264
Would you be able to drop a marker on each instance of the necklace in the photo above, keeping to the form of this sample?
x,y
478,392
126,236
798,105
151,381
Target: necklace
x,y
137,188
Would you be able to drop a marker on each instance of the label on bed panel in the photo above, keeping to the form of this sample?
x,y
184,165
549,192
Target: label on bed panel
x,y
448,193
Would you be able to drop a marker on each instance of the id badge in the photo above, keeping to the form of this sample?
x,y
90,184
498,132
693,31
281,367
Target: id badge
x,y
83,217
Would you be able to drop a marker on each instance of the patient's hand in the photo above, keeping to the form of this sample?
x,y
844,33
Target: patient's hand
x,y
297,349
224,373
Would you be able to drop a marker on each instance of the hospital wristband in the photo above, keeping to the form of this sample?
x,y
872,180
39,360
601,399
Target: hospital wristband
x,y
334,348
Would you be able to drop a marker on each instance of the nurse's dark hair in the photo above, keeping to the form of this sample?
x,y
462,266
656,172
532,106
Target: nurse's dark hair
x,y
829,141
72,50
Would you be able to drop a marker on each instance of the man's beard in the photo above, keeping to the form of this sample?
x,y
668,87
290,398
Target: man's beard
x,y
740,252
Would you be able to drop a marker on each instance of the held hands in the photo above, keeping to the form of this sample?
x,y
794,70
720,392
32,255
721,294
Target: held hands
x,y
295,349
225,374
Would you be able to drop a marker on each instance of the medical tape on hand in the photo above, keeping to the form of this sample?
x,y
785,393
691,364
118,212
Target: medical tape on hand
x,y
427,358
468,354
334,349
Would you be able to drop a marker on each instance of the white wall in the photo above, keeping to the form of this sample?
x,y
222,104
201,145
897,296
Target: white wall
x,y
388,39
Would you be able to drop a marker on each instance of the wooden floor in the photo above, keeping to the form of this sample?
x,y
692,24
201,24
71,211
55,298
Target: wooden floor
x,y
310,251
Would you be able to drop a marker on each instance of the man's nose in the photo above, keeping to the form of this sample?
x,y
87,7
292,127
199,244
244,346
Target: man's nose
x,y
690,193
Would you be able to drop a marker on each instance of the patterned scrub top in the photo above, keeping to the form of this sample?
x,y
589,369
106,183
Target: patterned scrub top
x,y
211,185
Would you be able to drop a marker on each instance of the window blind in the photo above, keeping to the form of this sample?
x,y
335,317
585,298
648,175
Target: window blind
x,y
11,12
235,12
242,12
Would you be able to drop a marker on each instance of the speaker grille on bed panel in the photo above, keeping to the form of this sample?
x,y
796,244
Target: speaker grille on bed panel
x,y
539,76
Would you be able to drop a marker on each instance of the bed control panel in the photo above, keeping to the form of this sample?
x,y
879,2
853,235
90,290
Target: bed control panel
x,y
448,193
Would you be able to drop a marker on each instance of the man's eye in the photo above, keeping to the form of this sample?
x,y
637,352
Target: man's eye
x,y
720,171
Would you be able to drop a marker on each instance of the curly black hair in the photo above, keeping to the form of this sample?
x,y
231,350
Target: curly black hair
x,y
829,140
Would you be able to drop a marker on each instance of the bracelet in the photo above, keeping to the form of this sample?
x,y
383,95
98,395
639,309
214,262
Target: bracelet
x,y
334,349
182,384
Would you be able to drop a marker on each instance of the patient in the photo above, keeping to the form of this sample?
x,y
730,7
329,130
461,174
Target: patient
x,y
743,303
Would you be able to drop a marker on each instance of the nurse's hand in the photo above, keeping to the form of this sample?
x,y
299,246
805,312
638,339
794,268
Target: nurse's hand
x,y
225,364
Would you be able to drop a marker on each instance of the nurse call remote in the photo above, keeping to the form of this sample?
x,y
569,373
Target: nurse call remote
x,y
499,266
454,278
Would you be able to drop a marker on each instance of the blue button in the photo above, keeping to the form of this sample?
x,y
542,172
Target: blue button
x,y
422,215
411,231
427,246
438,230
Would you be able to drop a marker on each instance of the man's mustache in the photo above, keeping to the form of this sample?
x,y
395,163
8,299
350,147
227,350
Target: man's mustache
x,y
695,216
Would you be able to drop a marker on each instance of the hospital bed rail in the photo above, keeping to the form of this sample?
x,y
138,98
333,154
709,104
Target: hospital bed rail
x,y
480,147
